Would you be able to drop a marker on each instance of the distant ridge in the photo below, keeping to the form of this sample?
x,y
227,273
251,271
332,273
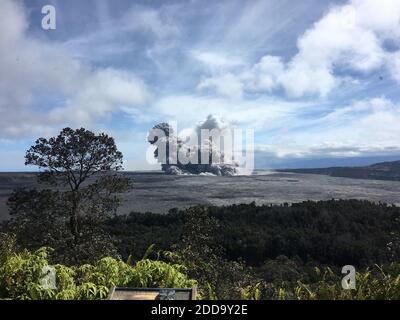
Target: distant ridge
x,y
379,171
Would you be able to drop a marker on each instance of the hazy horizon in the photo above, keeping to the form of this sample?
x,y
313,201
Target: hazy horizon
x,y
290,164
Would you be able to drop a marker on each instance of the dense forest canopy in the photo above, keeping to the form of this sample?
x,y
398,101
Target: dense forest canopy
x,y
270,252
336,232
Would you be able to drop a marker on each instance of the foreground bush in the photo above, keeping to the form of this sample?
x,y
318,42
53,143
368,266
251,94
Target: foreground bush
x,y
377,283
21,277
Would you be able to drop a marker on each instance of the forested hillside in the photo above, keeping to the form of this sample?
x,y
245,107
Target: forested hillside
x,y
332,232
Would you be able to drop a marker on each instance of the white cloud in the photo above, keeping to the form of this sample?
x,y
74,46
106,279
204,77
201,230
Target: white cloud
x,y
35,72
363,128
219,51
350,38
264,76
300,79
394,65
357,110
261,114
101,93
226,85
216,60
261,77
321,151
160,23
286,130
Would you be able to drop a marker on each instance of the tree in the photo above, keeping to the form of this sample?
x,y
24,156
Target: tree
x,y
38,218
394,245
199,251
81,168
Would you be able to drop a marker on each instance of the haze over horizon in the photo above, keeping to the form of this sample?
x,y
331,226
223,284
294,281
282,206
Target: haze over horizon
x,y
318,81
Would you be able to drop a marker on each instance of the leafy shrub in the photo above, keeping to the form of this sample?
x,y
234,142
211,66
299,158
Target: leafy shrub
x,y
374,284
148,273
21,275
377,283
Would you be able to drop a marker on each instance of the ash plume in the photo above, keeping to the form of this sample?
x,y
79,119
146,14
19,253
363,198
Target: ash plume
x,y
201,152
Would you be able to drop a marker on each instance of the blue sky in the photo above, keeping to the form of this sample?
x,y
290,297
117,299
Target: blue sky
x,y
317,80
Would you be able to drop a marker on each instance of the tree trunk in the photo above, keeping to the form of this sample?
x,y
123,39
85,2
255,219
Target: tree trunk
x,y
74,217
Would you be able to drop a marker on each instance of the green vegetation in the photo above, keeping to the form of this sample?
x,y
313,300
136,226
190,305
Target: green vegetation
x,y
81,169
273,252
235,252
377,283
332,232
198,244
21,274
